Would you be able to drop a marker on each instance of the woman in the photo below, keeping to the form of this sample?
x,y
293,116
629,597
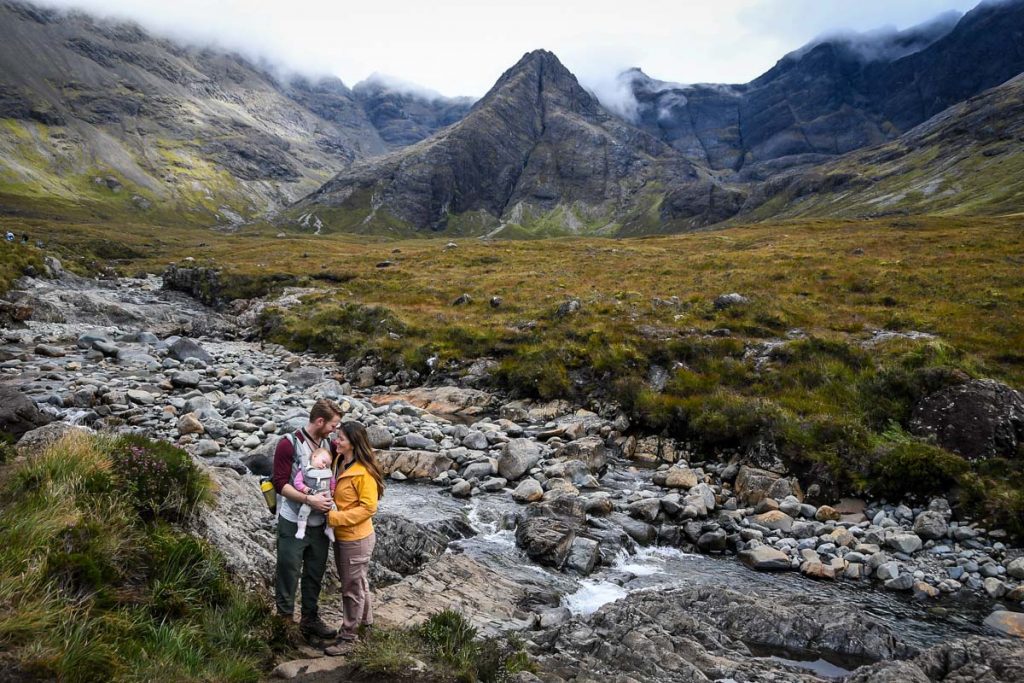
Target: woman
x,y
359,488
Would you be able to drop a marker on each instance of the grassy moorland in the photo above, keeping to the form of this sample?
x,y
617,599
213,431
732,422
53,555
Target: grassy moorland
x,y
834,403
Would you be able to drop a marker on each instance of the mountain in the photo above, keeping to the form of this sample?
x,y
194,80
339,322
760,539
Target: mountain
x,y
967,160
103,118
538,154
403,115
835,95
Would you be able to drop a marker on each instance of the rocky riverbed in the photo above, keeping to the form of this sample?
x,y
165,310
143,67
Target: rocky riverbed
x,y
614,553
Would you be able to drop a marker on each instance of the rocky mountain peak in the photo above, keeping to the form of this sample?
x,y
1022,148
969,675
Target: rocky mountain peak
x,y
541,79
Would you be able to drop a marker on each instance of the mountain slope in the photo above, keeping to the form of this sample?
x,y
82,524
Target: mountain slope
x,y
967,160
103,114
537,153
403,116
836,95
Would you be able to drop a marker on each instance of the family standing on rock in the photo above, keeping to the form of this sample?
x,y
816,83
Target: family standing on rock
x,y
310,519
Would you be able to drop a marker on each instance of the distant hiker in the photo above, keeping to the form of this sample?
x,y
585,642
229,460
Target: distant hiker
x,y
306,556
9,236
360,486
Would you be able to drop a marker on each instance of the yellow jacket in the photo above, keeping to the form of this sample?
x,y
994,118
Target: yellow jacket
x,y
355,495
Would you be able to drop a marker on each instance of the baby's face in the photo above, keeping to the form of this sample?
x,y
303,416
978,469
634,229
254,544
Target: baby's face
x,y
321,460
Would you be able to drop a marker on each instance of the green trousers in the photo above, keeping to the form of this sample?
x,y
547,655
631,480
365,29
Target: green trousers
x,y
300,556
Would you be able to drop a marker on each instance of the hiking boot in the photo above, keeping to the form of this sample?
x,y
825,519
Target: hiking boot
x,y
341,647
317,628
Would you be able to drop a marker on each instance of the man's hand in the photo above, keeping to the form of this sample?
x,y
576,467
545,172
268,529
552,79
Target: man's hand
x,y
321,502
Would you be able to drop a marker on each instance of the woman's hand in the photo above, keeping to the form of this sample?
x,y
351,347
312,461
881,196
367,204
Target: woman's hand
x,y
321,502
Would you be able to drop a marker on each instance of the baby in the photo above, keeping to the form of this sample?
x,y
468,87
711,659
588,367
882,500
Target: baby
x,y
316,477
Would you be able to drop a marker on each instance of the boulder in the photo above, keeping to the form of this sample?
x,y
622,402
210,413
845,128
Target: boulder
x,y
1016,568
1006,624
753,484
584,555
528,491
904,542
517,457
304,377
185,348
977,419
765,558
931,525
680,478
190,424
774,519
18,413
380,437
546,541
414,464
41,437
589,449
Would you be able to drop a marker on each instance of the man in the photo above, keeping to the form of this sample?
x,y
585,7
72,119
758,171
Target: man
x,y
305,556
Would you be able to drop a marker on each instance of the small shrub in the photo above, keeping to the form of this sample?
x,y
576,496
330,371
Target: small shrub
x,y
451,638
915,468
160,479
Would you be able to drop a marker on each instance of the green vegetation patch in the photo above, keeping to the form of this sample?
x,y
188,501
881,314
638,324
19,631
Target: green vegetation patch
x,y
98,581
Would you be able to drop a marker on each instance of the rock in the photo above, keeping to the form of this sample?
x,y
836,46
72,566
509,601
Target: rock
x,y
903,582
87,339
366,377
904,542
107,348
414,464
414,440
589,449
308,667
260,463
37,439
49,351
186,379
967,659
463,300
475,440
730,300
977,419
207,447
493,484
567,308
775,519
379,437
646,509
680,478
462,489
931,525
583,555
545,540
304,377
1007,624
185,348
528,491
994,587
495,302
925,591
815,569
765,558
712,541
1016,568
827,514
141,397
190,424
753,484
517,456
888,570
18,413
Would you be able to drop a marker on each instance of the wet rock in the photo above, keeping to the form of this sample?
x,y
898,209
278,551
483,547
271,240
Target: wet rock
x,y
517,456
583,555
18,413
546,541
977,419
646,509
765,558
185,348
462,489
968,659
712,541
49,351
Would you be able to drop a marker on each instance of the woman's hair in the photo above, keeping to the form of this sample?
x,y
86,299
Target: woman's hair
x,y
355,432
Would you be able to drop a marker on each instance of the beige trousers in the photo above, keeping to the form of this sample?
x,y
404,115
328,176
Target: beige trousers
x,y
353,561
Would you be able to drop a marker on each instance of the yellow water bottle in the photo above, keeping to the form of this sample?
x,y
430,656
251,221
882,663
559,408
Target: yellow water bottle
x,y
269,494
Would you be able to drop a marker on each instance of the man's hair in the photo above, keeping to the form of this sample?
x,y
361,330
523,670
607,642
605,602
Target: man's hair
x,y
325,408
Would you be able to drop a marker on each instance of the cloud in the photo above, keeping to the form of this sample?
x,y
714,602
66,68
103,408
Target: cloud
x,y
889,43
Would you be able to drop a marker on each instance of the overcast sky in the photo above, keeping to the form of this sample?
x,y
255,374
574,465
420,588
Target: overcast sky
x,y
461,47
